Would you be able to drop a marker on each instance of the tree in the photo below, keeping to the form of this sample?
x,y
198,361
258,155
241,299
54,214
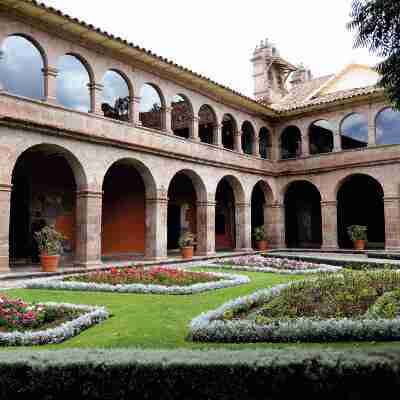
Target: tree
x,y
377,26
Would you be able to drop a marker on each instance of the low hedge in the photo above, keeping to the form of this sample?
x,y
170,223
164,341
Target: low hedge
x,y
219,374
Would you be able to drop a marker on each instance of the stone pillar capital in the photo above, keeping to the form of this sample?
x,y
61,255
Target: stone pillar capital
x,y
136,99
95,86
157,200
89,194
206,204
50,71
5,187
328,203
391,199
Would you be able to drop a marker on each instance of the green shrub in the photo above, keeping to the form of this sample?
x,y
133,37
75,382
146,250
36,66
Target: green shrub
x,y
183,375
347,295
387,306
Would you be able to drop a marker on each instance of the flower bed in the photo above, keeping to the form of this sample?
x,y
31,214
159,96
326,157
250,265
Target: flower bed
x,y
140,280
22,324
258,263
350,306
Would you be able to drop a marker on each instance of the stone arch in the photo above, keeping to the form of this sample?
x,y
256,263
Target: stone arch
x,y
128,184
387,126
303,218
360,201
186,193
20,82
230,219
229,130
152,106
182,116
353,129
261,198
290,142
248,137
207,124
45,179
77,97
116,95
265,144
321,136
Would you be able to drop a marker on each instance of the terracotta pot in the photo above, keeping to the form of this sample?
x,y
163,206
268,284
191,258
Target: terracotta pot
x,y
187,252
262,245
359,244
49,263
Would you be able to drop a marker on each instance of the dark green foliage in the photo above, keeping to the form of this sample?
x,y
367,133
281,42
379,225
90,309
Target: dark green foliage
x,y
377,26
387,306
130,374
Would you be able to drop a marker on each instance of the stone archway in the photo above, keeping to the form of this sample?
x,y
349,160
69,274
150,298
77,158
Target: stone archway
x,y
303,221
360,202
126,187
45,181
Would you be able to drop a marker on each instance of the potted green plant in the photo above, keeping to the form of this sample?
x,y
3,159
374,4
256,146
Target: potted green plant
x,y
260,236
358,234
186,244
50,247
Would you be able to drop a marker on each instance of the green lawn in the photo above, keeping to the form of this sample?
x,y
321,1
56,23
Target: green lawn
x,y
155,321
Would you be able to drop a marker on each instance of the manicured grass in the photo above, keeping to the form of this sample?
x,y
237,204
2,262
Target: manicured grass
x,y
159,321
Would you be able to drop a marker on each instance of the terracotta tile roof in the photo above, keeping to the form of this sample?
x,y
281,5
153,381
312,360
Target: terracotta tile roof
x,y
299,93
328,98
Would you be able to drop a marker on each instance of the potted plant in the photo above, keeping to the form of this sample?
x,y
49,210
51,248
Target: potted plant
x,y
186,243
358,234
50,247
260,236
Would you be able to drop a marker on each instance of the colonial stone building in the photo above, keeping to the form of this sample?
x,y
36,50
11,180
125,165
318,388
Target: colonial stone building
x,y
122,149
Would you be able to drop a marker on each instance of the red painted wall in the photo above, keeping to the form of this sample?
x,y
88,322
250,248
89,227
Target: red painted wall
x,y
123,229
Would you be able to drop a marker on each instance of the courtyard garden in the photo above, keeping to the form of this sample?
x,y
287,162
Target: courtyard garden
x,y
294,301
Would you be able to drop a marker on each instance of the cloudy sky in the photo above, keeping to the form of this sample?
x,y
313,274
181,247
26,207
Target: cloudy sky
x,y
217,37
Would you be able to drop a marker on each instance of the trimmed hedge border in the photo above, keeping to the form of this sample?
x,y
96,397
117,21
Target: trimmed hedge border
x,y
229,281
208,326
181,375
64,331
322,269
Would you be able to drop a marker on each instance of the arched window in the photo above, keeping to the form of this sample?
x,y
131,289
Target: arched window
x,y
21,65
151,107
388,127
73,84
182,116
247,137
229,129
321,137
207,124
115,96
291,143
265,143
354,132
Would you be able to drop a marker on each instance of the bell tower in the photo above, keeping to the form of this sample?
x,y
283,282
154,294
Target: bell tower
x,y
270,73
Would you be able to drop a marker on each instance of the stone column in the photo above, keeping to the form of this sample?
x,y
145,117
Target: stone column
x,y
305,145
88,228
194,129
392,223
243,226
238,142
329,225
371,128
217,140
156,228
205,228
1,56
95,98
256,146
50,84
276,225
166,120
337,141
5,203
131,109
136,111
